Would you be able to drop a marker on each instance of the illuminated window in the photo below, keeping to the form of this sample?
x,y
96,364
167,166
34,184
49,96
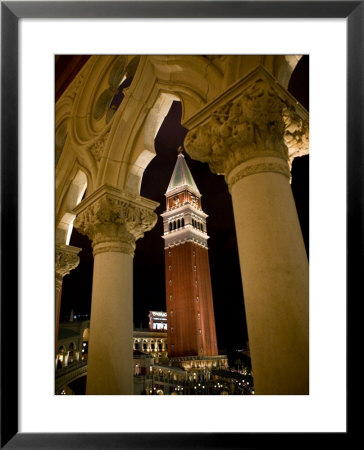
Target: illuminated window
x,y
171,297
198,315
194,268
200,331
197,299
169,267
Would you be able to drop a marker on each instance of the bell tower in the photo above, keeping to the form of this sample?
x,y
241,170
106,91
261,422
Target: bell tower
x,y
191,322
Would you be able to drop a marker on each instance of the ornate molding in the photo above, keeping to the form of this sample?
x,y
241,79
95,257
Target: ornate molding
x,y
114,221
278,166
75,86
257,118
97,148
66,260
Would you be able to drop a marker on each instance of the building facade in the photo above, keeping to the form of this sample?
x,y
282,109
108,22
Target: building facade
x,y
153,372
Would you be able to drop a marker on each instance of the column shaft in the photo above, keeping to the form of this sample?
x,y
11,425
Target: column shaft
x,y
274,270
110,358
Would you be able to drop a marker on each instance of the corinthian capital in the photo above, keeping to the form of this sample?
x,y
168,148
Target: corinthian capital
x,y
66,259
114,220
254,118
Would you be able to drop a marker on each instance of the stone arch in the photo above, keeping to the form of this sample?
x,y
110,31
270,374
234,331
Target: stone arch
x,y
71,352
60,139
72,198
156,85
286,68
60,357
144,146
85,334
158,80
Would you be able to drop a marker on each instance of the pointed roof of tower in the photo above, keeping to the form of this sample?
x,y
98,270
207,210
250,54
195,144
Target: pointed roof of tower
x,y
181,175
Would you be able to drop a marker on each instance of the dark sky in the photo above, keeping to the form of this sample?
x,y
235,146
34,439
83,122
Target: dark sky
x,y
149,282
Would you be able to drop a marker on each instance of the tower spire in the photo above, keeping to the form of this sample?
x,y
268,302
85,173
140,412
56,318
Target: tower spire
x,y
181,176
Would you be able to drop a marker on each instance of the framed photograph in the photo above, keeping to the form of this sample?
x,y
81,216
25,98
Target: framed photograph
x,y
31,48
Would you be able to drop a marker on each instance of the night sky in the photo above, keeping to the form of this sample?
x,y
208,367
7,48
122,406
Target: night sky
x,y
149,280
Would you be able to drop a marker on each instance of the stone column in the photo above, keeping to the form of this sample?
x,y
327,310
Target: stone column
x,y
66,260
113,221
251,136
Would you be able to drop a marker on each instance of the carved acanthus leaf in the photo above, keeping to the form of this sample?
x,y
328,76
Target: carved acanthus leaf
x,y
66,259
115,224
258,122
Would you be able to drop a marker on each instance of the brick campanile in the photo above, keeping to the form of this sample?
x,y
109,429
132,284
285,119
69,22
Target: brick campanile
x,y
191,322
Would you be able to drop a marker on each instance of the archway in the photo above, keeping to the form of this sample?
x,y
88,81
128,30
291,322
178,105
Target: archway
x,y
72,198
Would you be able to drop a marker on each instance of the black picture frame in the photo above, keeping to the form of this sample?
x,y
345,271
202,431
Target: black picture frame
x,y
11,12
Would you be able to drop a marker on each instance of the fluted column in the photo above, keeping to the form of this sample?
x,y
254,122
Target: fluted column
x,y
113,221
66,260
251,136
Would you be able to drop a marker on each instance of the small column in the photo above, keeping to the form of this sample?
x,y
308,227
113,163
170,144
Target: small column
x,y
66,260
113,221
251,137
